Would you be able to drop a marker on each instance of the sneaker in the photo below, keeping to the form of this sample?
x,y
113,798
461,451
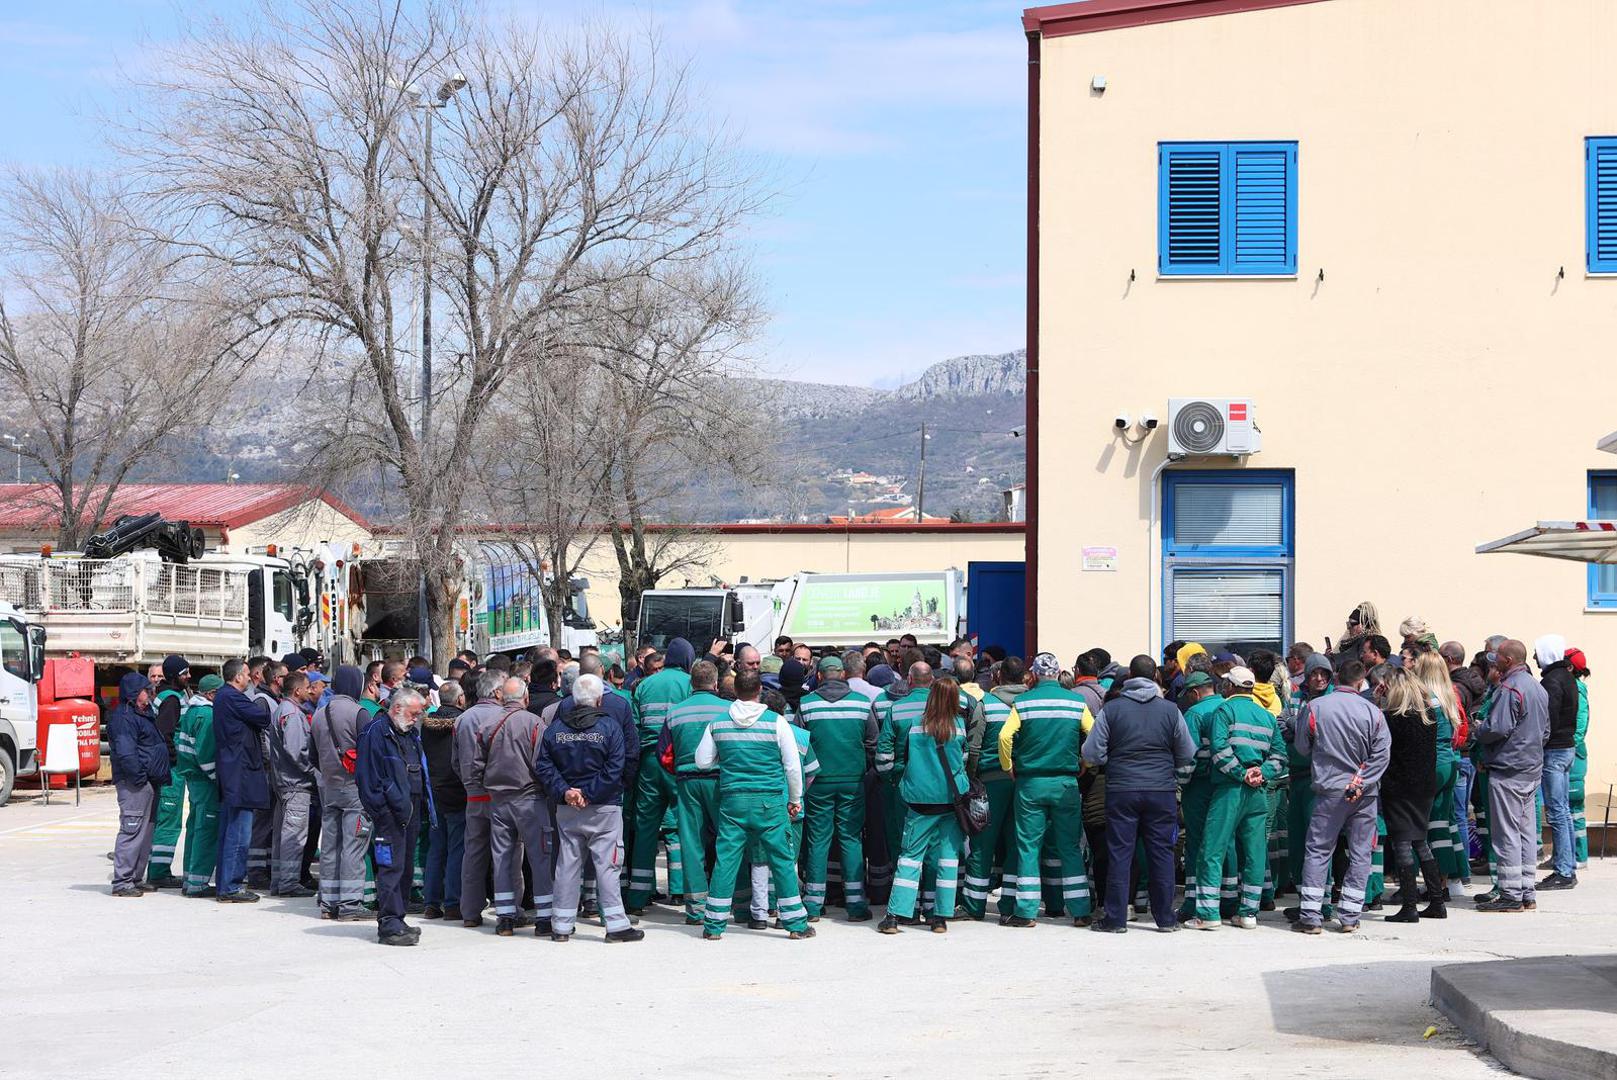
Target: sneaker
x,y
205,893
474,921
1171,928
240,896
1529,905
1374,905
358,914
297,892
1083,920
1300,927
1292,914
402,937
1103,927
708,935
145,886
541,928
258,879
938,925
1245,922
1014,920
1347,928
866,916
889,925
806,932
757,924
1267,905
1203,924
1488,897
433,911
1556,881
505,926
127,891
693,920
521,920
561,937
627,934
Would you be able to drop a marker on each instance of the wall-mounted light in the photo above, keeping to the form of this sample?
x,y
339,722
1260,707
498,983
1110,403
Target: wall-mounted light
x,y
1098,84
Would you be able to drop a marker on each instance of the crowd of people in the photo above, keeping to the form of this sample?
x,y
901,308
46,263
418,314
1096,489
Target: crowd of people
x,y
895,775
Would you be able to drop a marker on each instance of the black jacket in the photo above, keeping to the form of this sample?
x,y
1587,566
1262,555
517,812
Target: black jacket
x,y
1469,687
1562,687
1412,769
438,743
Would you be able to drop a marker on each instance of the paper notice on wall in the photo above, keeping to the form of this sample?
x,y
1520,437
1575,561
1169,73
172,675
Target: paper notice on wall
x,y
1100,558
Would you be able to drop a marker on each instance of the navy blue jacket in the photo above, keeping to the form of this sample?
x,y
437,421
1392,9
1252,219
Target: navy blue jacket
x,y
238,721
387,758
586,751
139,751
617,706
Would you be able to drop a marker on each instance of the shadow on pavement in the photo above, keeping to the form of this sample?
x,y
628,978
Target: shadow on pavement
x,y
1379,1002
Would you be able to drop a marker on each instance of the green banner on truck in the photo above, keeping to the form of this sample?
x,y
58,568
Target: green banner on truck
x,y
853,608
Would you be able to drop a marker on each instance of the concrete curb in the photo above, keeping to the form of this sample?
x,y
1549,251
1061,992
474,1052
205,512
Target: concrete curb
x,y
1547,1017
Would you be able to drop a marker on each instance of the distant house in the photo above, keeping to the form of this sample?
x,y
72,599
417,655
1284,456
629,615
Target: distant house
x,y
235,518
898,515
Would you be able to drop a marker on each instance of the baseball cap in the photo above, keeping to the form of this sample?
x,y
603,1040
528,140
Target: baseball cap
x,y
1240,676
1046,666
831,663
316,677
1198,678
210,683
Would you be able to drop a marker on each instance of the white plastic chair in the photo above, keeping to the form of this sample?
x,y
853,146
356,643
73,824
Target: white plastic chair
x,y
61,758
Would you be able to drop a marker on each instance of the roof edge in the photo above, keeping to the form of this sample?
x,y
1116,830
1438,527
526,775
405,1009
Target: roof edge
x,y
1093,16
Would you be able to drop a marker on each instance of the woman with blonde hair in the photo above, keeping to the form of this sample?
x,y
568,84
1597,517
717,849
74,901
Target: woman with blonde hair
x,y
1407,792
929,758
1362,623
1443,834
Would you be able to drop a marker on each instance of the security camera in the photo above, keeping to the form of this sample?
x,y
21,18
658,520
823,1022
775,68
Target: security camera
x,y
1150,422
1122,422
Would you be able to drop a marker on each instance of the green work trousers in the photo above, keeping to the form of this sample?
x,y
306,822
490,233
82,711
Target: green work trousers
x,y
1049,805
201,833
835,809
757,824
166,827
989,851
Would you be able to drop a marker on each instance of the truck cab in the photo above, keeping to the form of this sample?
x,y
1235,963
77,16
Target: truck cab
x,y
697,615
22,663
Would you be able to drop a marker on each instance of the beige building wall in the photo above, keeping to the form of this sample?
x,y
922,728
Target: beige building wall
x,y
760,556
1442,386
303,526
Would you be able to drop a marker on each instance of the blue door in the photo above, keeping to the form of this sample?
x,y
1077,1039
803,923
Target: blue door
x,y
996,604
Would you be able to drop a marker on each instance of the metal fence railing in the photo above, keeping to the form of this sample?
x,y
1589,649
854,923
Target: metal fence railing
x,y
114,585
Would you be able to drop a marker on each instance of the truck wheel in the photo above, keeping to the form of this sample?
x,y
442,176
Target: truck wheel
x,y
8,776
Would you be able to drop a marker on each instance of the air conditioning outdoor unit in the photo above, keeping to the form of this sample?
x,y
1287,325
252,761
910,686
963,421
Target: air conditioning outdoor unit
x,y
1212,427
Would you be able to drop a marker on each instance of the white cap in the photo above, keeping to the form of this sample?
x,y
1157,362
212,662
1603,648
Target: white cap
x,y
1240,676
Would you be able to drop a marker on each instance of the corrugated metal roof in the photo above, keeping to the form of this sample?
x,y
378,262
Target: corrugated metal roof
x,y
220,506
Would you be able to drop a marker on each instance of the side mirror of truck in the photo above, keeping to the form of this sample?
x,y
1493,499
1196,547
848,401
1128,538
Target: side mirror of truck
x,y
737,613
36,653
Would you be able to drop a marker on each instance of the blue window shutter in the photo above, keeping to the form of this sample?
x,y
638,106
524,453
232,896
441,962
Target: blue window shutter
x,y
1601,155
1264,208
1190,225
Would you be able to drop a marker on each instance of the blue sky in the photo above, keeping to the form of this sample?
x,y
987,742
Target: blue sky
x,y
897,130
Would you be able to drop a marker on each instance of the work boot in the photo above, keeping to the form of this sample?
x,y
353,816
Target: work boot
x,y
452,913
1501,906
1015,920
889,925
1437,909
757,924
145,886
938,924
1437,891
413,907
866,916
505,926
295,893
1301,927
626,934
708,935
166,881
541,928
1556,881
1347,928
1083,920
126,891
433,911
1292,914
258,879
797,935
1266,905
204,893
474,921
402,937
240,896
1104,927
561,937
1485,898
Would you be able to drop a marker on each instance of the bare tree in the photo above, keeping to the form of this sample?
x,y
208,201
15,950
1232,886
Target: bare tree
x,y
295,147
109,340
667,347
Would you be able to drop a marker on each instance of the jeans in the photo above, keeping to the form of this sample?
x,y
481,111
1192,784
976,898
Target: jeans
x,y
446,845
1152,817
1558,807
1463,784
235,835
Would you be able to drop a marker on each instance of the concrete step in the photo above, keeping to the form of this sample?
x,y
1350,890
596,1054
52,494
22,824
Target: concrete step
x,y
1549,1017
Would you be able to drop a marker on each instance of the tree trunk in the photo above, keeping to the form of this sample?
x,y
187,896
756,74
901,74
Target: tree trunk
x,y
443,603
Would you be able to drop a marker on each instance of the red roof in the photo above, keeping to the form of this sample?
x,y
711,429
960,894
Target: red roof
x,y
1090,16
890,516
219,506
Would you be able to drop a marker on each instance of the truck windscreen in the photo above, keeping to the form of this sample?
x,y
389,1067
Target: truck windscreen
x,y
694,618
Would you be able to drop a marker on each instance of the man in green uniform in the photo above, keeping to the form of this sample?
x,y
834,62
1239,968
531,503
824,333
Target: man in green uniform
x,y
1199,703
697,790
1247,752
653,698
194,741
169,704
842,731
1039,746
995,847
753,750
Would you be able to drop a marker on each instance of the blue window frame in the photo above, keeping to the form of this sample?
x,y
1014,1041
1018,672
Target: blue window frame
x,y
1602,507
1228,545
1600,164
1227,208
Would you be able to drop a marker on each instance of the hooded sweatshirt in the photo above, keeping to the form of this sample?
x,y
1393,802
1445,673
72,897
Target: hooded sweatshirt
x,y
335,728
1561,688
139,751
656,694
585,750
745,715
1141,739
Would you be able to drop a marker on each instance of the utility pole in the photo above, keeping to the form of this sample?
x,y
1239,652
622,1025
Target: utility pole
x,y
920,487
